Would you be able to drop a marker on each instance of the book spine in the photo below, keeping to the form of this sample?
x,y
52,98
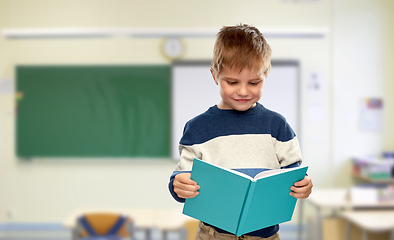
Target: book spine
x,y
245,208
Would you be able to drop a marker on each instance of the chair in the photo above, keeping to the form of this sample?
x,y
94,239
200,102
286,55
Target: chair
x,y
191,227
104,226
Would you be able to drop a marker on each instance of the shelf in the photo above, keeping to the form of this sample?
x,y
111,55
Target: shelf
x,y
370,180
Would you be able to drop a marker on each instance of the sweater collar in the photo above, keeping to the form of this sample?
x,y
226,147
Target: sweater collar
x,y
231,112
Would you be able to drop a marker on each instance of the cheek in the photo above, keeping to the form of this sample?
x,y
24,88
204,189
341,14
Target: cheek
x,y
225,90
258,92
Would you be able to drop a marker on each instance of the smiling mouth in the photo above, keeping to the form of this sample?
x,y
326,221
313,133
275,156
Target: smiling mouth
x,y
242,100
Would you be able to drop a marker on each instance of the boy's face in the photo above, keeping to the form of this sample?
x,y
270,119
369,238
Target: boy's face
x,y
239,90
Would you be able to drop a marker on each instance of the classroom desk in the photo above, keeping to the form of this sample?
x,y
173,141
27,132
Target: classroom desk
x,y
166,220
370,220
338,202
333,199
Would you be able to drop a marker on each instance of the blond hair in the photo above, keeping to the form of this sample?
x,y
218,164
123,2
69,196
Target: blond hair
x,y
239,47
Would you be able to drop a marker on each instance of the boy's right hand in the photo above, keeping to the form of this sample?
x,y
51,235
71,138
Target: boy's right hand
x,y
184,187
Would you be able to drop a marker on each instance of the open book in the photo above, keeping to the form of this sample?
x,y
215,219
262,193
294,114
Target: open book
x,y
239,204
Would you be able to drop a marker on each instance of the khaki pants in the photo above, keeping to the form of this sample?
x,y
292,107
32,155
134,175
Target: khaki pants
x,y
209,233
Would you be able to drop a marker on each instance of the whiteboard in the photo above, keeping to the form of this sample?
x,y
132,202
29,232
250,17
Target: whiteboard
x,y
194,91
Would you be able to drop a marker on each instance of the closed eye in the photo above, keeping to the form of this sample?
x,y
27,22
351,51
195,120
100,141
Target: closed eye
x,y
254,82
231,82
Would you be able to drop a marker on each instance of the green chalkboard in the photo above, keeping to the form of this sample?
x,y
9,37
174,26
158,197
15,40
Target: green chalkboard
x,y
93,111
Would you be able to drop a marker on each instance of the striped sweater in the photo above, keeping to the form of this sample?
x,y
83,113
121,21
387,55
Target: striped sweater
x,y
247,141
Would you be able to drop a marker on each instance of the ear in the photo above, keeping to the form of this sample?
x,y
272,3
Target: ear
x,y
213,76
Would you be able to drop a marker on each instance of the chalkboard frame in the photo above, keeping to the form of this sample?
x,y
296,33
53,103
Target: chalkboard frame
x,y
128,107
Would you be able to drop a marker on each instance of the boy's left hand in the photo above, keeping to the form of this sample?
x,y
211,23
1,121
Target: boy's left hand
x,y
302,189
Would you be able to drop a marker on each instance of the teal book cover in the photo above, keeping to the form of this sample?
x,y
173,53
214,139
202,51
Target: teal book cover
x,y
239,204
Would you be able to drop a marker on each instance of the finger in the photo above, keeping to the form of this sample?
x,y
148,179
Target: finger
x,y
185,194
188,182
185,190
299,189
186,187
301,192
305,188
299,195
185,179
303,182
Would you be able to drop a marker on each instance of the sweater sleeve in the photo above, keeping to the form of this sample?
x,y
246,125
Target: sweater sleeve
x,y
293,165
185,164
287,147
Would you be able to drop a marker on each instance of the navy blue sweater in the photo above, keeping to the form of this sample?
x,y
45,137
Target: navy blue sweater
x,y
247,141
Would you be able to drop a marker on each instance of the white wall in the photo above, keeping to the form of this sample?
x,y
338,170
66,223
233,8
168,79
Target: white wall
x,y
47,190
362,32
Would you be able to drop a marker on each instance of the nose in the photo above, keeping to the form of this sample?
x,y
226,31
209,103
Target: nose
x,y
243,91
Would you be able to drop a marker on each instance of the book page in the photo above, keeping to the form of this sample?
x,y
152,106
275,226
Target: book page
x,y
231,170
241,174
273,172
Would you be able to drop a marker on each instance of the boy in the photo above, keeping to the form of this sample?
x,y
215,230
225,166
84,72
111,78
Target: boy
x,y
238,133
